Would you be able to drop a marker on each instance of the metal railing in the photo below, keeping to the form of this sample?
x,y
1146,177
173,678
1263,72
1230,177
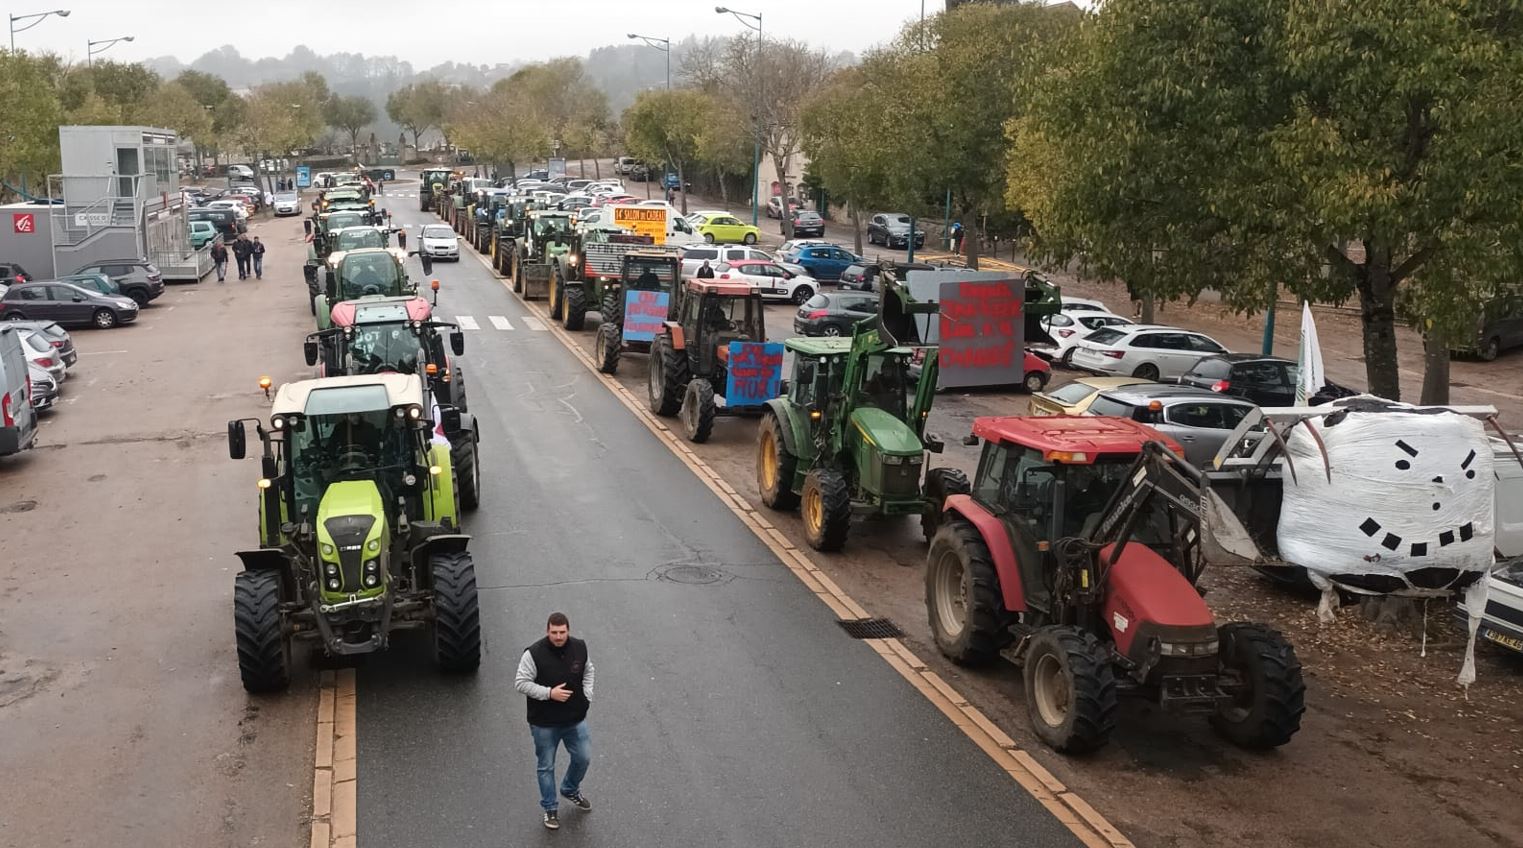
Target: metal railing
x,y
91,204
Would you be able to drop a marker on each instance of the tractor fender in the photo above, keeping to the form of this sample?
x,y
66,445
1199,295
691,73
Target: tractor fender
x,y
674,330
1147,597
263,559
793,429
997,539
443,543
467,427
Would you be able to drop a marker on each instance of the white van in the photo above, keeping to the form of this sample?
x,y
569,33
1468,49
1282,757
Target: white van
x,y
678,231
18,420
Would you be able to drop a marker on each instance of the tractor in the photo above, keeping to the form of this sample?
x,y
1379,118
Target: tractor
x,y
1076,556
430,182
366,272
399,335
589,275
656,270
690,359
507,229
848,435
320,229
539,242
359,530
339,241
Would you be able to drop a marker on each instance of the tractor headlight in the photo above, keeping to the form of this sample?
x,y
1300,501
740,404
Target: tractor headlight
x,y
333,584
371,581
327,549
916,460
893,460
574,259
372,566
1188,649
331,570
373,545
278,423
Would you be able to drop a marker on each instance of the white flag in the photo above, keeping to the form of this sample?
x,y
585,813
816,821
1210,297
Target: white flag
x,y
1313,377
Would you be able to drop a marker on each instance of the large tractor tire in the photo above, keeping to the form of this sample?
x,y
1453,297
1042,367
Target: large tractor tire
x,y
264,648
1265,710
826,509
516,266
775,466
962,596
605,348
574,311
939,483
698,410
1070,690
557,293
612,307
457,614
667,378
467,461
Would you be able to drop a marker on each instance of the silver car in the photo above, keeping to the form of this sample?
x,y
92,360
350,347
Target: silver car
x,y
40,353
1199,419
439,242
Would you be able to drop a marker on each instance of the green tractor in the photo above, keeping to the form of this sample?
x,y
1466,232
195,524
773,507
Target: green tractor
x,y
320,229
507,232
366,272
359,530
338,240
590,276
432,182
848,436
535,252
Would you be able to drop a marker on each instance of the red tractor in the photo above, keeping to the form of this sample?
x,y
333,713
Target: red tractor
x,y
1076,557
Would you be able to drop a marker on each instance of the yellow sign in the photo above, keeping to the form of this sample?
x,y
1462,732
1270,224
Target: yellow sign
x,y
642,220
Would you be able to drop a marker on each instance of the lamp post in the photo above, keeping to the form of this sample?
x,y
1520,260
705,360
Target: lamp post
x,y
665,46
760,98
105,44
35,19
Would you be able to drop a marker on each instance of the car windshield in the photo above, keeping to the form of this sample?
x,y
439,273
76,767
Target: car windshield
x,y
285,197
545,223
1071,393
438,232
899,219
384,347
374,273
35,341
886,383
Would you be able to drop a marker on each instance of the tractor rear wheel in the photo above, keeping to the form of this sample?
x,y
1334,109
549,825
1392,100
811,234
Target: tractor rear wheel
x,y
962,596
775,466
264,648
1265,710
557,292
605,348
457,614
516,271
698,410
667,379
940,482
612,307
1070,690
574,311
467,465
827,509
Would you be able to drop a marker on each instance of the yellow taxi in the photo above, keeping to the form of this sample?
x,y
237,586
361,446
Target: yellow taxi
x,y
1075,396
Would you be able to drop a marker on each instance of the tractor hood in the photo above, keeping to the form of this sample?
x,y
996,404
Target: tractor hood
x,y
351,538
886,433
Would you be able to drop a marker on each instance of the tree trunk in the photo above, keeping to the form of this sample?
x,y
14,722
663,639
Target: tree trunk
x,y
1435,370
724,191
681,187
856,226
597,168
581,167
1377,305
973,238
1145,312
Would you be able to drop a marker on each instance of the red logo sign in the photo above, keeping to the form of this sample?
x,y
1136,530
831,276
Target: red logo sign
x,y
24,222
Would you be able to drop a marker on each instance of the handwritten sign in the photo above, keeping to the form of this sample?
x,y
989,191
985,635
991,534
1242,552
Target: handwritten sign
x,y
755,373
982,333
644,311
643,220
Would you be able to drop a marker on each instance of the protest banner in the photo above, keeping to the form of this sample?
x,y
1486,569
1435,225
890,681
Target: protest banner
x,y
755,373
644,312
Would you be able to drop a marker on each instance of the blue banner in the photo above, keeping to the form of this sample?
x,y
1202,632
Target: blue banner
x,y
303,176
644,312
755,373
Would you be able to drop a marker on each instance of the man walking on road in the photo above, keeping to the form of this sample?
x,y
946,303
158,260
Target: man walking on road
x,y
256,252
219,259
556,676
241,252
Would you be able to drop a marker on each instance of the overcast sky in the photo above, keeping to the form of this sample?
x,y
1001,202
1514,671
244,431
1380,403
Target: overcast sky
x,y
426,34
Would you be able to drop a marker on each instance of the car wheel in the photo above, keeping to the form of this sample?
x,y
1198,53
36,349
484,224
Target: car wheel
x,y
1067,358
1034,382
801,294
750,238
708,238
831,330
1146,371
105,319
1490,349
14,316
139,296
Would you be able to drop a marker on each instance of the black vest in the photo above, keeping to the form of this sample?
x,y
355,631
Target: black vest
x,y
555,666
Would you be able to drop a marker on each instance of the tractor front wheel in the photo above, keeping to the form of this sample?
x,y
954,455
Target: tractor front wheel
x,y
457,614
574,310
612,307
557,292
516,271
667,378
264,648
939,483
827,509
775,466
1269,696
1070,690
605,348
962,596
698,410
467,463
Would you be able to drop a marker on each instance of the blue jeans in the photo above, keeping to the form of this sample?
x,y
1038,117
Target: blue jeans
x,y
258,264
546,740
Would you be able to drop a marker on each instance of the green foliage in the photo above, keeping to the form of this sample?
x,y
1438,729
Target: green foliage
x,y
419,107
172,106
665,126
29,134
349,113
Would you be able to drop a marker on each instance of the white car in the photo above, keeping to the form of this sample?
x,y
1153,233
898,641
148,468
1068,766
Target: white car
x,y
239,208
771,279
240,171
42,355
1147,351
1068,328
694,255
287,203
439,242
1083,304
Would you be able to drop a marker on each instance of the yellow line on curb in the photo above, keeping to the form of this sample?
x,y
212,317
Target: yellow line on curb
x,y
1076,814
334,773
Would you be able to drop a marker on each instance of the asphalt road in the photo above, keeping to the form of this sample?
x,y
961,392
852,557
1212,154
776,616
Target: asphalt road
x,y
731,709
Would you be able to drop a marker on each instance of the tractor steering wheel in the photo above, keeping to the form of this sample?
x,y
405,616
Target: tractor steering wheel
x,y
353,459
371,289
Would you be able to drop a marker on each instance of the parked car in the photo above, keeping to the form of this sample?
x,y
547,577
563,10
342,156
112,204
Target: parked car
x,y
775,206
44,387
41,354
137,278
98,283
773,281
806,223
227,222
694,255
863,276
1498,328
727,228
57,337
287,203
18,420
823,261
1199,419
11,273
892,229
1067,328
1075,396
66,304
1083,304
1149,351
202,233
833,313
439,242
243,171
794,244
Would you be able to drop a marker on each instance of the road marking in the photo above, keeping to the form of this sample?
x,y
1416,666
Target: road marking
x,y
99,352
466,322
499,322
534,323
335,801
1073,812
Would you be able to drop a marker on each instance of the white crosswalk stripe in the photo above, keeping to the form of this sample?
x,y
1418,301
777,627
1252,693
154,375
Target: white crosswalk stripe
x,y
534,323
499,322
466,322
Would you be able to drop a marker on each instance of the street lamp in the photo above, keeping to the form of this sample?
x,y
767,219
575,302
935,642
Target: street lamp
x,y
760,98
105,44
39,16
665,46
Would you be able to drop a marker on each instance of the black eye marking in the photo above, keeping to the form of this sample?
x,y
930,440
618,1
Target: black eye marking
x,y
1469,459
1406,448
1419,549
1370,527
1446,538
1403,464
1439,479
1467,531
1391,542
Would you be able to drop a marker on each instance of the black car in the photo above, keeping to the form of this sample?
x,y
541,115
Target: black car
x,y
807,224
11,273
863,276
225,220
892,229
66,304
138,279
1265,380
833,313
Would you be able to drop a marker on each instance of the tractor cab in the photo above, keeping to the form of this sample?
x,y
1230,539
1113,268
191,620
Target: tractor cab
x,y
550,233
356,237
392,335
648,270
711,316
366,272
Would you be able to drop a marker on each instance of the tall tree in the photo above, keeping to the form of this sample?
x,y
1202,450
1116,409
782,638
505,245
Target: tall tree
x,y
29,134
172,106
350,113
843,132
418,107
665,126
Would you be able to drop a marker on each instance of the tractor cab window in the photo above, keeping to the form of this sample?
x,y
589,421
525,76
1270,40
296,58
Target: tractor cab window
x,y
369,274
377,349
648,274
356,238
886,384
814,379
548,226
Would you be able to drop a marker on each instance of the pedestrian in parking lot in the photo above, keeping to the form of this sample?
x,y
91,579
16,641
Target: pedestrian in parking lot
x,y
241,252
219,260
705,271
555,674
256,252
